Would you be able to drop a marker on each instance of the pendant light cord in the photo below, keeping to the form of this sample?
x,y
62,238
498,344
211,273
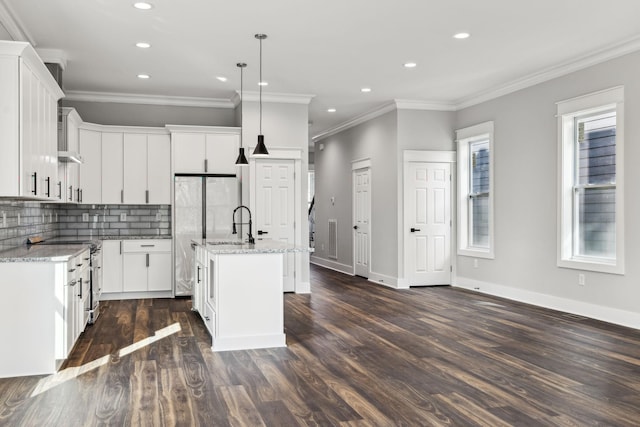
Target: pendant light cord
x,y
261,83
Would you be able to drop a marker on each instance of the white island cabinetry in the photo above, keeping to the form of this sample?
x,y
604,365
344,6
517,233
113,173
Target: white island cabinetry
x,y
240,298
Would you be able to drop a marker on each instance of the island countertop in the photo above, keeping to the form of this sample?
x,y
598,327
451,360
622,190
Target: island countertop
x,y
261,246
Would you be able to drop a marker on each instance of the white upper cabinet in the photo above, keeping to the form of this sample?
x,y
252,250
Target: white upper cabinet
x,y
68,171
204,149
89,186
159,169
28,124
112,167
135,168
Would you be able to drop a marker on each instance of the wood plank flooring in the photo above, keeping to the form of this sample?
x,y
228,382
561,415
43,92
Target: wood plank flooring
x,y
358,355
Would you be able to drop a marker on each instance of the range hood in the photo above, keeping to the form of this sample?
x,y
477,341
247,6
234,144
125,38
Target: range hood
x,y
65,155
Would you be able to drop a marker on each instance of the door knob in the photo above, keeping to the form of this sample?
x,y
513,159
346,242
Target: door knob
x,y
355,227
413,230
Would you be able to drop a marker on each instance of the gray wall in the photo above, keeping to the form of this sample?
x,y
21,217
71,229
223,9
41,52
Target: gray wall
x,y
121,114
376,140
420,130
526,200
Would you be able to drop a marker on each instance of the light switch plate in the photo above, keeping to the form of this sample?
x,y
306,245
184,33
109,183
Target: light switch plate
x,y
85,217
123,216
158,216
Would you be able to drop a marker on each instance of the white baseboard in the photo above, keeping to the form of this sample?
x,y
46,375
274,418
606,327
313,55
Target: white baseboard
x,y
248,342
332,265
303,288
593,311
384,280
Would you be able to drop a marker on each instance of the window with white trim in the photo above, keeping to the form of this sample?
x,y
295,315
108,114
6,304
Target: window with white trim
x,y
590,204
475,190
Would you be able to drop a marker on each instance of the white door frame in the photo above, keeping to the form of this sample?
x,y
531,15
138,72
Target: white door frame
x,y
355,166
426,156
295,154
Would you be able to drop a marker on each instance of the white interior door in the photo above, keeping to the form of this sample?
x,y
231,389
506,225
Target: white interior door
x,y
275,209
428,223
362,221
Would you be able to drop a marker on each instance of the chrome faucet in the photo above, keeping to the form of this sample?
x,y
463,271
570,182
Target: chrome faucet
x,y
234,231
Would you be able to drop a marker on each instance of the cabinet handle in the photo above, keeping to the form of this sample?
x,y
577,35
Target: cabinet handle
x,y
206,165
146,196
147,246
35,183
81,195
78,265
73,283
120,247
80,283
121,196
78,195
147,260
260,232
71,193
198,274
59,190
72,270
206,318
48,186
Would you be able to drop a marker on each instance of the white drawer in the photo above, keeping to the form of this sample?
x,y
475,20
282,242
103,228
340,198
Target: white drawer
x,y
146,246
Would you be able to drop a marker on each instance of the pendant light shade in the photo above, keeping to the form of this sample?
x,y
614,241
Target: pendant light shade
x,y
261,149
242,159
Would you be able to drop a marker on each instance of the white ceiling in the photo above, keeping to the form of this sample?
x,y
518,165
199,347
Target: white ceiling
x,y
328,48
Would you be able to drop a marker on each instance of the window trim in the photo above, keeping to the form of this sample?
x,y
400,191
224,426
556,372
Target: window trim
x,y
464,138
567,111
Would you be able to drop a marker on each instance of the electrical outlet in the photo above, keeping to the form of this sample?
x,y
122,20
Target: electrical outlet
x,y
51,217
85,217
158,216
123,216
95,218
475,263
43,219
581,279
19,221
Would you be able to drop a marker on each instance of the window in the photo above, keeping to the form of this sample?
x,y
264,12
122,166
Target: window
x,y
591,181
475,190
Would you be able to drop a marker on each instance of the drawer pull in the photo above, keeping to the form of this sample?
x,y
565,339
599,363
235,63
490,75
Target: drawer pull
x,y
147,246
72,270
206,318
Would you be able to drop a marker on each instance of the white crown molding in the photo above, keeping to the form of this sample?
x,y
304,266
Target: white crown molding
x,y
271,97
203,129
126,98
53,56
355,121
13,25
411,104
610,52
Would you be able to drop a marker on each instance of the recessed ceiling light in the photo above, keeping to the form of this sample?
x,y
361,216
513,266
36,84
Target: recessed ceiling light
x,y
410,65
263,83
143,45
222,78
142,5
331,110
365,89
461,36
143,76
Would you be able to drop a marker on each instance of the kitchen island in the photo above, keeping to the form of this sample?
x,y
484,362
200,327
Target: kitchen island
x,y
238,292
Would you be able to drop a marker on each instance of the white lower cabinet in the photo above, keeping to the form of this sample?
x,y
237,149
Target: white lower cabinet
x,y
134,267
44,331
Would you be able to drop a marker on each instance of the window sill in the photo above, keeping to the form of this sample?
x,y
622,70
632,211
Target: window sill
x,y
476,253
589,265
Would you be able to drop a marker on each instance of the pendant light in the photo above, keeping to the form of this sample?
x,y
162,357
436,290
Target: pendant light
x,y
261,149
242,159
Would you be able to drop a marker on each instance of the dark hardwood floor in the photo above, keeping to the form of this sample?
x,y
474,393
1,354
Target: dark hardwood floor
x,y
358,355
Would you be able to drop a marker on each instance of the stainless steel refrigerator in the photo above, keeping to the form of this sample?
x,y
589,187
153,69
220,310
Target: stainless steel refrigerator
x,y
203,206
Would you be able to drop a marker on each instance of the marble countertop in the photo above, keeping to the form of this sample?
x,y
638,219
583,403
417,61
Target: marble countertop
x,y
43,253
261,246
